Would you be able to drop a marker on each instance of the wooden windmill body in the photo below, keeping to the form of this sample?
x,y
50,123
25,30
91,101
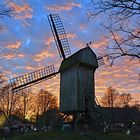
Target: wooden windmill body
x,y
77,80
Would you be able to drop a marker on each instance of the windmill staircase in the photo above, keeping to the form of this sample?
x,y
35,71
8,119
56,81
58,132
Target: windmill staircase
x,y
93,114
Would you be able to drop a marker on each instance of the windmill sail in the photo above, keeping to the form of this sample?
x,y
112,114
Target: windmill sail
x,y
32,78
59,35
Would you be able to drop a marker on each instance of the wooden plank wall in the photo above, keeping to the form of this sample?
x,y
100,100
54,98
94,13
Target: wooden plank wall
x,y
76,83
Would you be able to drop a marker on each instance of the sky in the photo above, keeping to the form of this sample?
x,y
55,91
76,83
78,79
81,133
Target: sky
x,y
27,44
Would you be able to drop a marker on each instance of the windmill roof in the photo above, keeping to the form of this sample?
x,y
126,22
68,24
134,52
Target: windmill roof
x,y
84,57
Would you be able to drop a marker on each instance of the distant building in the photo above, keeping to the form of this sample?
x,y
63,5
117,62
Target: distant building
x,y
121,115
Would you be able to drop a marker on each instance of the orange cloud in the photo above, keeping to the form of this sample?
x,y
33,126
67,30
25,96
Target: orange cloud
x,y
21,55
49,40
21,12
11,50
121,76
44,54
24,16
67,6
12,55
29,68
82,26
71,35
49,85
79,44
15,45
9,56
101,43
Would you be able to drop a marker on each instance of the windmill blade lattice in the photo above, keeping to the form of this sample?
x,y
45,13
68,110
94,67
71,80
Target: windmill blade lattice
x,y
59,35
32,78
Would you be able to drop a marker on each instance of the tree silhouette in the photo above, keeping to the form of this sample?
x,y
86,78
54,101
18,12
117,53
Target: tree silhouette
x,y
44,101
112,98
109,98
25,104
8,100
5,11
123,25
124,99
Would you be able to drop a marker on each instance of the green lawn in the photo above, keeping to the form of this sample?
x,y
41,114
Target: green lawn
x,y
71,136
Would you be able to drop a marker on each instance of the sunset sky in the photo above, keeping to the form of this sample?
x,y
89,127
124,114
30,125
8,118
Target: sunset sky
x,y
27,44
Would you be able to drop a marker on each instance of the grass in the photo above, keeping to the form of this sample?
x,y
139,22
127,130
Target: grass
x,y
71,136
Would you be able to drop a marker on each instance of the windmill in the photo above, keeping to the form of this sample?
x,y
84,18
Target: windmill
x,y
77,93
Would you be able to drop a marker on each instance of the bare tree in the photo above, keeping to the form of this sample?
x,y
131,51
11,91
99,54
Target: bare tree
x,y
109,98
124,99
123,24
8,100
45,101
5,11
25,104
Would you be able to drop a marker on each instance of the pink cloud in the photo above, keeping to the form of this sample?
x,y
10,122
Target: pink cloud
x,y
12,55
82,26
122,77
14,45
44,54
11,50
79,44
67,6
21,55
49,40
29,68
101,43
9,56
71,35
21,12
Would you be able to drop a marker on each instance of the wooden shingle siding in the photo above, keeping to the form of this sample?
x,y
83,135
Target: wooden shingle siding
x,y
68,90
